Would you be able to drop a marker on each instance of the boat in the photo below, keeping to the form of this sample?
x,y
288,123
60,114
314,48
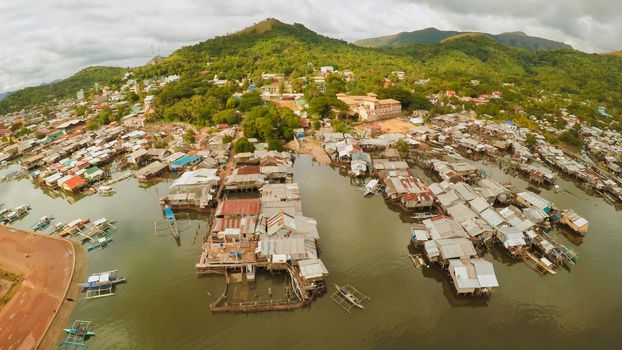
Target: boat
x,y
105,190
73,227
371,187
100,279
172,221
42,223
15,214
77,335
59,226
349,295
12,175
82,332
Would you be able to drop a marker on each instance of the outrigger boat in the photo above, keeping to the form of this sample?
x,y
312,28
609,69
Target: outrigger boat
x,y
103,279
13,215
349,295
372,187
77,335
101,284
74,227
80,332
42,223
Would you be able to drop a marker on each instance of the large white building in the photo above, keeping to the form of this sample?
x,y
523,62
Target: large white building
x,y
369,108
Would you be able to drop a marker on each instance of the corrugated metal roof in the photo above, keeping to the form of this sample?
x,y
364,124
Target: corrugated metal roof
x,y
237,207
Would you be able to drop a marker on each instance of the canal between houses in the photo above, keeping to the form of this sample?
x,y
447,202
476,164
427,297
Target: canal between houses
x,y
363,242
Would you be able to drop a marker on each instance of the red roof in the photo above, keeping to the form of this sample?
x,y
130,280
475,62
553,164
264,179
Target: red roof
x,y
75,182
238,207
248,170
222,126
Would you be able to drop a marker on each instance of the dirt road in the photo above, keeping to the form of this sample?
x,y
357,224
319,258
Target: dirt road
x,y
46,265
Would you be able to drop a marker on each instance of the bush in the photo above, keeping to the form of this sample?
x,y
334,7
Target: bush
x,y
243,145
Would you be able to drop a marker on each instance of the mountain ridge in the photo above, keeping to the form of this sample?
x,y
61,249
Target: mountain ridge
x,y
433,35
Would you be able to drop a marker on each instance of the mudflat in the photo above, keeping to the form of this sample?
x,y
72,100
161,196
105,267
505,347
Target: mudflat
x,y
46,265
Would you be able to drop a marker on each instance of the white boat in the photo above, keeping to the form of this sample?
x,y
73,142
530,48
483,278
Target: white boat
x,y
371,187
100,279
350,296
105,190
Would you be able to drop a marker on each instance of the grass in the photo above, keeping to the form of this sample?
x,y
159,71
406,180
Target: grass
x,y
13,284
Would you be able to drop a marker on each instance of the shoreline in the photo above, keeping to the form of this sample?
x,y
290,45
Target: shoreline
x,y
51,267
65,310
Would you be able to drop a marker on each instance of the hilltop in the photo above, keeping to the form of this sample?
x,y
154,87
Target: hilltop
x,y
435,36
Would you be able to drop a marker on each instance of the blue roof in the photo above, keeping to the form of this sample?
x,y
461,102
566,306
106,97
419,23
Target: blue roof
x,y
185,160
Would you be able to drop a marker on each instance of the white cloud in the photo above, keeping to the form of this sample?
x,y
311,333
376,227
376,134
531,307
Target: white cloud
x,y
48,40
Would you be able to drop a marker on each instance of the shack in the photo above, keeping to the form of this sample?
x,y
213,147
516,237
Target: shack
x,y
150,171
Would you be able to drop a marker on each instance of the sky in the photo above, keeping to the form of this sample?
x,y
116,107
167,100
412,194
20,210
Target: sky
x,y
46,40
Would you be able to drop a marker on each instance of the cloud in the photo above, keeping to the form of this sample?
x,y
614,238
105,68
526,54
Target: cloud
x,y
48,40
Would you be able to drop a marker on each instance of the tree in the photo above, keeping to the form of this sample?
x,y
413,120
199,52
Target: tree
x,y
232,102
250,100
531,139
189,137
228,116
323,106
274,145
243,145
571,137
402,147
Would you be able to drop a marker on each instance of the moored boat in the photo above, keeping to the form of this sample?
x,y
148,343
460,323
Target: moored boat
x,y
101,279
42,223
349,295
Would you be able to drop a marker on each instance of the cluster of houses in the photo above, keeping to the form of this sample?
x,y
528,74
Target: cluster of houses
x,y
260,224
466,213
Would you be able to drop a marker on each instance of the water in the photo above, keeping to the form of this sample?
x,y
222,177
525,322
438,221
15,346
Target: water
x,y
363,242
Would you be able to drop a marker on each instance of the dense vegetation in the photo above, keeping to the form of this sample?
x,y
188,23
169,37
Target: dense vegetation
x,y
435,36
38,95
539,83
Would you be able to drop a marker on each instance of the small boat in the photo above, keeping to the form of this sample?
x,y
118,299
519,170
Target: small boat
x,y
74,227
172,221
349,295
59,226
15,214
371,187
42,223
105,190
100,279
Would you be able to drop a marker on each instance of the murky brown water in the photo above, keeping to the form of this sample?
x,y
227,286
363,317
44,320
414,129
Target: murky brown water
x,y
164,306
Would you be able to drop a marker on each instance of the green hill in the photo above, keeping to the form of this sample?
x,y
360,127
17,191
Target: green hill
x,y
295,51
434,36
424,36
37,95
